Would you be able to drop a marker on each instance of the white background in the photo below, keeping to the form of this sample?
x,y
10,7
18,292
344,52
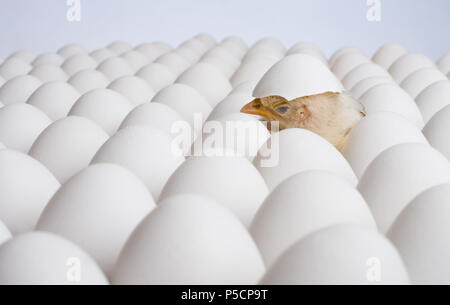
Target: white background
x,y
41,25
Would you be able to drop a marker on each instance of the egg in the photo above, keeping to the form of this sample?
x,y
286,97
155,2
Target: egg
x,y
53,59
421,79
152,51
23,55
119,47
145,151
361,72
68,145
347,62
285,77
101,55
345,50
421,234
251,70
408,64
364,85
195,46
135,59
4,233
235,45
246,87
188,53
231,181
87,80
49,73
134,88
77,63
2,146
295,150
437,130
233,103
391,98
182,241
105,107
2,81
115,67
269,44
434,98
397,176
26,186
300,206
98,209
157,76
221,65
186,101
55,99
340,255
39,258
387,54
20,125
207,39
19,89
70,50
308,49
444,64
253,54
374,134
174,62
208,81
14,67
224,55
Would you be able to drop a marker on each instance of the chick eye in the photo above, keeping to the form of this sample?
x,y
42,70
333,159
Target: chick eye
x,y
282,109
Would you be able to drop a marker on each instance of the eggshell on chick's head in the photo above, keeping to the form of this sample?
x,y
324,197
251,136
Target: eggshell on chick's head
x,y
145,151
433,99
157,76
295,150
300,205
88,80
421,79
397,176
422,234
98,209
25,188
19,89
340,255
68,145
182,242
134,88
231,181
4,233
437,131
387,54
374,134
40,258
55,99
296,76
408,64
105,107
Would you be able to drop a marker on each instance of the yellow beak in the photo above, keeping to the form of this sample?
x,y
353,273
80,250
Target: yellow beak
x,y
256,108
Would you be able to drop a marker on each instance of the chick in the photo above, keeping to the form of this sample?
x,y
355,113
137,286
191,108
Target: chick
x,y
330,115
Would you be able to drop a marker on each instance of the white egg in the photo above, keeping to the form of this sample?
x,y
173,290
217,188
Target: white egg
x,y
340,255
53,59
347,62
135,59
274,56
157,76
19,89
191,240
341,52
98,209
444,64
153,51
134,88
222,65
362,72
55,99
363,86
437,131
374,134
421,234
397,176
231,181
391,98
302,204
388,54
105,107
68,145
188,53
433,99
269,44
20,125
235,45
206,39
145,151
2,81
70,50
26,186
251,70
186,101
120,47
296,76
246,87
2,146
296,150
154,115
49,73
101,55
223,54
195,45
421,79
40,258
174,62
308,49
23,55
4,233
233,103
77,63
14,67
208,81
115,67
87,80
408,64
